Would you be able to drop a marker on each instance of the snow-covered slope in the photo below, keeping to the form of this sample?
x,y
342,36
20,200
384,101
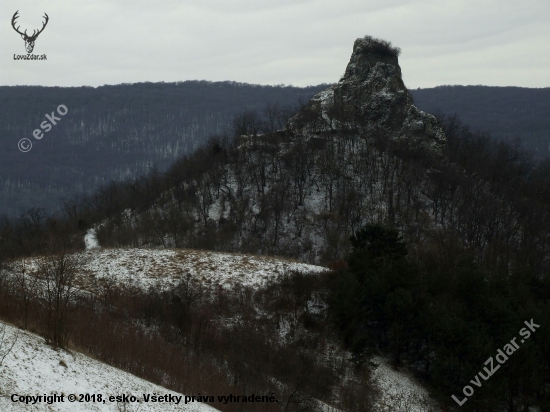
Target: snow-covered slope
x,y
161,268
34,368
400,391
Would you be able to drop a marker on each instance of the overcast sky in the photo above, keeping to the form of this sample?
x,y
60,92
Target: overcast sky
x,y
298,42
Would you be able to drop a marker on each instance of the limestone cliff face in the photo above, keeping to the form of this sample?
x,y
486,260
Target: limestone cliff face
x,y
372,93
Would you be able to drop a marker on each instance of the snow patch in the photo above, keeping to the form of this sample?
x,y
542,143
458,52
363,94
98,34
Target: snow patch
x,y
90,240
400,392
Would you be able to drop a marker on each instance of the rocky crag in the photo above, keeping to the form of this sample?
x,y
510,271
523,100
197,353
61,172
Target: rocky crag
x,y
372,94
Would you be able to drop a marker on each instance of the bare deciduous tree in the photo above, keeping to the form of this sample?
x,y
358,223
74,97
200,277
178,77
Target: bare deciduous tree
x,y
7,343
24,286
58,273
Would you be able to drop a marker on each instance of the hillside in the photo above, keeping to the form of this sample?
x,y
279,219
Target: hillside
x,y
105,271
118,132
162,270
113,132
506,113
35,368
361,152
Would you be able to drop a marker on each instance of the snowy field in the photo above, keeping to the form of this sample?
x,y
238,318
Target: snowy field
x,y
162,268
34,368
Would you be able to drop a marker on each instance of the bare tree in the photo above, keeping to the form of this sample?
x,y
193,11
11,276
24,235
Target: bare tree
x,y
58,273
3,278
7,343
298,397
25,287
247,124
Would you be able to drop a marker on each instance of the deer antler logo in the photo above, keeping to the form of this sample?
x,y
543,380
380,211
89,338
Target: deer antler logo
x,y
29,40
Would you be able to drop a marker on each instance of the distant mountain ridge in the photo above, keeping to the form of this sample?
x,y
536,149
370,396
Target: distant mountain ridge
x,y
506,113
116,132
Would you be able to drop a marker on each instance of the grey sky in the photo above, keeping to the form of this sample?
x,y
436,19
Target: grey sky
x,y
298,42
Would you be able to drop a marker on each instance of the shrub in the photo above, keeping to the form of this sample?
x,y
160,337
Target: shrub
x,y
381,47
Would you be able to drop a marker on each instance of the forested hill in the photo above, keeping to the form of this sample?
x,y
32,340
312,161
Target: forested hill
x,y
506,113
114,132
